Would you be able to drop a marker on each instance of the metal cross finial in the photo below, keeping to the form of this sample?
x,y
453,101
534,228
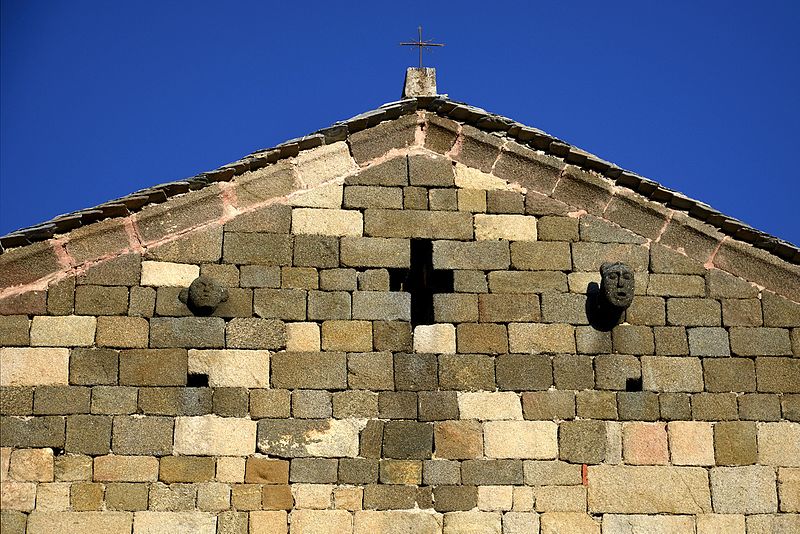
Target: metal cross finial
x,y
421,44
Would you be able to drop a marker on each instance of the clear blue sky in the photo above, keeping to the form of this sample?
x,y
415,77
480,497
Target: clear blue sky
x,y
102,98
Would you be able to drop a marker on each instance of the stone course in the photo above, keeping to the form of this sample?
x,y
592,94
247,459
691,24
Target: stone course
x,y
411,343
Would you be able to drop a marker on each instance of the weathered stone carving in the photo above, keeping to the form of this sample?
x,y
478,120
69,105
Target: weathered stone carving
x,y
607,303
203,295
616,284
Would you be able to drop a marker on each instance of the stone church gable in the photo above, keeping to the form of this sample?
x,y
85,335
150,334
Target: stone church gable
x,y
397,324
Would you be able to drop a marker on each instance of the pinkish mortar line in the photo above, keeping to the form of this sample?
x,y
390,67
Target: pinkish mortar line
x,y
555,185
670,214
134,239
420,132
458,144
60,250
229,200
499,153
136,245
709,264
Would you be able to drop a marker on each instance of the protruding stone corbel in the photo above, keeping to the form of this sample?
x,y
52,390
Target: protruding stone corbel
x,y
617,283
608,303
203,295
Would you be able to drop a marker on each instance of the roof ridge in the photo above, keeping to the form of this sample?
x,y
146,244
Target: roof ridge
x,y
445,107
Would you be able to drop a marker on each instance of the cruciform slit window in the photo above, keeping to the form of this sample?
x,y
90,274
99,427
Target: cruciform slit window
x,y
422,281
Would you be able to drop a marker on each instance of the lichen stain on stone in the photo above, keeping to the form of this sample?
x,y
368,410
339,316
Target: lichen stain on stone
x,y
286,442
314,435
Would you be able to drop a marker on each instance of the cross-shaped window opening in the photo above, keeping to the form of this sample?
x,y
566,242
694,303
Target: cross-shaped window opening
x,y
422,281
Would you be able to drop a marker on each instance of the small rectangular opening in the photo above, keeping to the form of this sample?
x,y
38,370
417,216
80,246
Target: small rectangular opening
x,y
398,279
633,384
197,380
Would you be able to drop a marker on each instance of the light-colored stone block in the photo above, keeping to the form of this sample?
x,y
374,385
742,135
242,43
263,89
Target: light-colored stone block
x,y
174,523
568,523
348,498
779,444
651,524
435,338
19,496
324,163
230,469
645,443
125,469
744,490
83,522
327,222
613,442
533,338
210,435
495,498
490,406
32,465
397,521
73,467
63,331
691,442
533,440
720,524
472,523
469,178
322,196
511,227
312,496
164,273
34,367
521,523
321,522
333,439
5,462
232,368
273,522
523,499
789,489
667,373
53,497
560,499
213,496
302,337
773,524
648,490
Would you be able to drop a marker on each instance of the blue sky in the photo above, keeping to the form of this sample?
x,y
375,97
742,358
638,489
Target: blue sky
x,y
98,99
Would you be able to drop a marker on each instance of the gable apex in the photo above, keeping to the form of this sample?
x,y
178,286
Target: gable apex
x,y
473,140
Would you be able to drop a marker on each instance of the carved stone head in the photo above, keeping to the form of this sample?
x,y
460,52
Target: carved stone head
x,y
204,295
616,285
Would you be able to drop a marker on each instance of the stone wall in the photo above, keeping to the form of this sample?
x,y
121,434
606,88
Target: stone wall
x,y
322,396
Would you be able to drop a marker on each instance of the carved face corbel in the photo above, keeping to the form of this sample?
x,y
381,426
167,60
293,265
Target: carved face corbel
x,y
203,295
617,285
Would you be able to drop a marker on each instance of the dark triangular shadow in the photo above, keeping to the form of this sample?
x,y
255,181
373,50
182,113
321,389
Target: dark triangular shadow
x,y
602,316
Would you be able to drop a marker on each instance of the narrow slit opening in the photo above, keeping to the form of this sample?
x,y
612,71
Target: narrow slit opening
x,y
633,384
197,380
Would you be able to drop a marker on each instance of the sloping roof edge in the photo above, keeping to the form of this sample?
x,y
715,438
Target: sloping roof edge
x,y
464,113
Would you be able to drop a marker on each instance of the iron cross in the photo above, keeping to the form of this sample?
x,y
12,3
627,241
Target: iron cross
x,y
421,44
